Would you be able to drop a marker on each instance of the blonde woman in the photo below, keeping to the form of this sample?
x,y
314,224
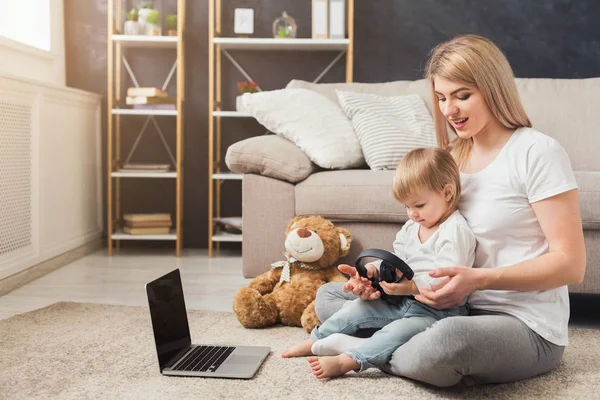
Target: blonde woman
x,y
427,182
520,200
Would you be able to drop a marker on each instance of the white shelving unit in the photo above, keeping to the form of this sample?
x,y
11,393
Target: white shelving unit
x,y
133,111
281,44
140,174
120,235
117,58
219,46
145,41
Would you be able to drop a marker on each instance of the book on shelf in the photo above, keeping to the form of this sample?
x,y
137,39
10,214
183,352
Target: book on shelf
x,y
132,100
147,217
146,230
146,91
155,107
149,224
140,167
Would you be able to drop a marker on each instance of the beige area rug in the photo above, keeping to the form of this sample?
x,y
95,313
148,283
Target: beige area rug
x,y
73,350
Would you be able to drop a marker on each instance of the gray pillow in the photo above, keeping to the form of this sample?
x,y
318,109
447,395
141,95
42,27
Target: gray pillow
x,y
270,155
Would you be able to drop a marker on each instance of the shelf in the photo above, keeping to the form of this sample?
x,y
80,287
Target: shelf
x,y
146,41
229,220
133,111
140,174
226,237
232,114
281,44
228,176
120,235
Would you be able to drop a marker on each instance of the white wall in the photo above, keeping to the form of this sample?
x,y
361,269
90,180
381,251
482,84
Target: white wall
x,y
20,60
50,170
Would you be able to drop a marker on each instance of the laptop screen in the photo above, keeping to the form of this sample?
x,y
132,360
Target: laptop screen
x,y
169,316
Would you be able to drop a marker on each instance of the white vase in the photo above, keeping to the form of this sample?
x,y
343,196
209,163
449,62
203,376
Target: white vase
x,y
132,28
152,30
142,15
239,104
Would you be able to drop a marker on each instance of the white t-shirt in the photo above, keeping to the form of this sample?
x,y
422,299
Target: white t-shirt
x,y
453,243
496,202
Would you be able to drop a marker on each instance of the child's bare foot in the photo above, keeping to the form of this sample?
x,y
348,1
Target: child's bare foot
x,y
327,367
300,350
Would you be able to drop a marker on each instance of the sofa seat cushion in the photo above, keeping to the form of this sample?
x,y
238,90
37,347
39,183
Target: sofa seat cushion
x,y
350,195
365,195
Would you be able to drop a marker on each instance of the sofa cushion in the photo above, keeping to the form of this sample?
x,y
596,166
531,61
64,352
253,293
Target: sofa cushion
x,y
269,155
350,195
365,195
388,127
313,122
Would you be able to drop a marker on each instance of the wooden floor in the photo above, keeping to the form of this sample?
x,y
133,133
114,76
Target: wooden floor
x,y
209,283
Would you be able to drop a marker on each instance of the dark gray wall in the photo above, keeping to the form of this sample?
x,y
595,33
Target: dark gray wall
x,y
541,38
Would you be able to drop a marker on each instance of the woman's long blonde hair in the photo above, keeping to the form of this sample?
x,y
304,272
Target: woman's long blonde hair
x,y
430,168
478,62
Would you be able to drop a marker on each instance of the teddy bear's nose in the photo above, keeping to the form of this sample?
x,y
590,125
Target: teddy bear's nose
x,y
303,233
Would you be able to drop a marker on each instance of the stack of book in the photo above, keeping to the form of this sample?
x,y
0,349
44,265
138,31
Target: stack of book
x,y
147,224
149,98
140,167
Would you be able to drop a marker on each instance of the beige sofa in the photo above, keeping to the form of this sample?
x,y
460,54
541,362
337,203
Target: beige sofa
x,y
281,182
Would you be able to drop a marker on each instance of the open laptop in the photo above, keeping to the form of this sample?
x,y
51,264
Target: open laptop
x,y
176,353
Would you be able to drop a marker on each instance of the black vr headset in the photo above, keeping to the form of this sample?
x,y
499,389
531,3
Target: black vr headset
x,y
387,271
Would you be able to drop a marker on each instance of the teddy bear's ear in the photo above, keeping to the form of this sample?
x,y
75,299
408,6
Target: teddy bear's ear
x,y
292,223
345,240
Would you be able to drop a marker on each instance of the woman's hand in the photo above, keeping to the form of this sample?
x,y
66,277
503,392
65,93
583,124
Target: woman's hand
x,y
461,283
358,285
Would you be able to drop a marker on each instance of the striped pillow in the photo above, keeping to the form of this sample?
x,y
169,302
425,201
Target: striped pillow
x,y
388,127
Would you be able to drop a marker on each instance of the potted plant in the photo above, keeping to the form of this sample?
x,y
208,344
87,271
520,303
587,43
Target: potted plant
x,y
171,23
284,27
244,87
131,26
152,26
143,10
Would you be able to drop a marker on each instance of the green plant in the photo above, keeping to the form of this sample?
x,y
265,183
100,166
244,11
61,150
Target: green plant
x,y
284,33
171,22
153,17
146,4
131,15
247,87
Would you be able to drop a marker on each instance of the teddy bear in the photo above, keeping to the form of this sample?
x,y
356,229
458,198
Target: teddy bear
x,y
286,293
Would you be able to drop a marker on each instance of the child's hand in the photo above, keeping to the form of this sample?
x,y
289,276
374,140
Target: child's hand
x,y
402,288
358,285
372,271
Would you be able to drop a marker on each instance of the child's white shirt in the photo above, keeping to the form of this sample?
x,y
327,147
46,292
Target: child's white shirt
x,y
453,243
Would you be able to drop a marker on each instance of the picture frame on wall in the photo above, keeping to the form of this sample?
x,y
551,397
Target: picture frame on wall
x,y
243,21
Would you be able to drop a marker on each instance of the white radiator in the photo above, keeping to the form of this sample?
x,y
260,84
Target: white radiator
x,y
50,176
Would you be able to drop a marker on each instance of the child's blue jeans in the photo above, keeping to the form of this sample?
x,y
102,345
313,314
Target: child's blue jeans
x,y
398,324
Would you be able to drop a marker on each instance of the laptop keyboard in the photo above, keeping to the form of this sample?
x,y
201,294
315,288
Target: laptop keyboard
x,y
204,358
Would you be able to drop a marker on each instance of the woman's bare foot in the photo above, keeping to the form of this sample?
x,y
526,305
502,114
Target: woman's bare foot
x,y
300,350
328,367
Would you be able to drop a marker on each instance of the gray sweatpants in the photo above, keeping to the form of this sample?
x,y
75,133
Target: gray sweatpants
x,y
484,347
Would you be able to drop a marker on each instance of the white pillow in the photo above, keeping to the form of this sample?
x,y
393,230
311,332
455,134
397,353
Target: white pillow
x,y
388,127
314,123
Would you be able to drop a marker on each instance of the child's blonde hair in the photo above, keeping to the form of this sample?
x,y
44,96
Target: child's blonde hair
x,y
478,62
427,169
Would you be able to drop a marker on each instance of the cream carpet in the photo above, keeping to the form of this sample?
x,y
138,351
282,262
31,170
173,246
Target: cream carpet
x,y
73,350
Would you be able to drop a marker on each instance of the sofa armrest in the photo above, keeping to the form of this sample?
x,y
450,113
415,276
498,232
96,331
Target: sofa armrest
x,y
271,156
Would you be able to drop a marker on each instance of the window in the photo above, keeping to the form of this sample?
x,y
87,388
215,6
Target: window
x,y
26,21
